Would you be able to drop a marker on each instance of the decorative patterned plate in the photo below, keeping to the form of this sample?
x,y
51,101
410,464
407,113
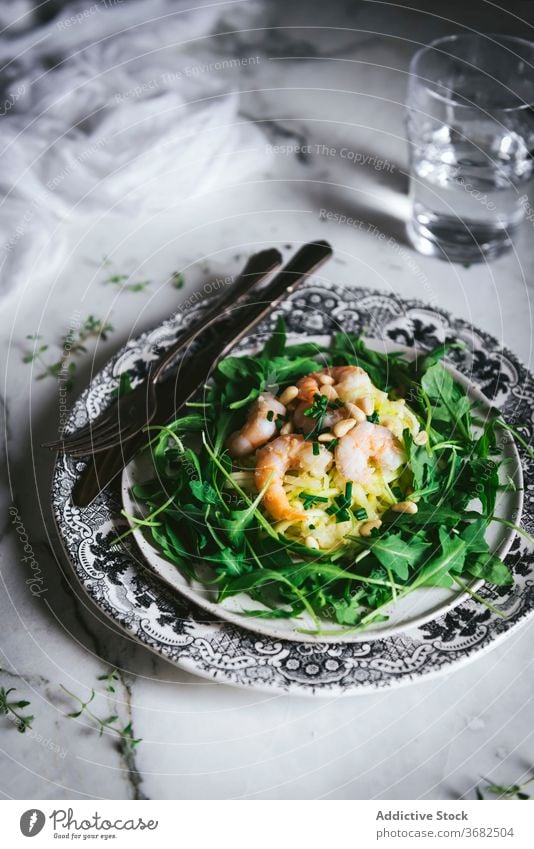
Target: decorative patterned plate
x,y
418,607
118,582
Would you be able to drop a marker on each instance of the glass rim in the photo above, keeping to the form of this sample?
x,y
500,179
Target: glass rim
x,y
455,37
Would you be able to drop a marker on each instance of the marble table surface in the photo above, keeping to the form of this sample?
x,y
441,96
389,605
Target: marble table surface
x,y
329,101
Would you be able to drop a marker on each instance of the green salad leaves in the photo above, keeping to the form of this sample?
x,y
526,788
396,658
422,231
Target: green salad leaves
x,y
199,515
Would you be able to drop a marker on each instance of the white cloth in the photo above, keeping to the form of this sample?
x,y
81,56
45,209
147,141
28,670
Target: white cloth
x,y
133,115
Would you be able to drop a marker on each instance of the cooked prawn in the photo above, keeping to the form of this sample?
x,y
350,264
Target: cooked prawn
x,y
365,448
348,384
278,457
259,427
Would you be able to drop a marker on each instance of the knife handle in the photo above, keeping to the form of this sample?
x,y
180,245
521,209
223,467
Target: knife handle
x,y
257,268
307,260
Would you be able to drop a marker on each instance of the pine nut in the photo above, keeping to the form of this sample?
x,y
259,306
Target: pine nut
x,y
287,428
289,394
326,437
329,392
366,405
326,379
311,542
421,438
355,412
341,428
405,507
367,527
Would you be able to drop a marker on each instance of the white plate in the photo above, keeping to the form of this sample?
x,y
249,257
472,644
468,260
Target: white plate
x,y
414,610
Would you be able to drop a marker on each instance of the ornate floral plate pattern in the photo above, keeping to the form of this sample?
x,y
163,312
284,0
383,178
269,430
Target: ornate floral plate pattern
x,y
117,581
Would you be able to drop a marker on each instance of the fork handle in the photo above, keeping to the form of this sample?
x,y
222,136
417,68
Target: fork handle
x,y
258,267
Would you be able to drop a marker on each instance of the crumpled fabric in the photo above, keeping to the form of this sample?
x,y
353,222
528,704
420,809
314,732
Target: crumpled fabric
x,y
113,106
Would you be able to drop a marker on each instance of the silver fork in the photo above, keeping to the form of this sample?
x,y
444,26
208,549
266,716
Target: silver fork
x,y
132,412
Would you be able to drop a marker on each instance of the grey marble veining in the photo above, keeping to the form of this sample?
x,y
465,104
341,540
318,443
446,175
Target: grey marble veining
x,y
333,89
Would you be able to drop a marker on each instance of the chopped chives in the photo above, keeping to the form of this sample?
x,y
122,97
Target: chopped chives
x,y
309,499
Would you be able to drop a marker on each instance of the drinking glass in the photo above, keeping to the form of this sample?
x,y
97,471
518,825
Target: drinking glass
x,y
470,125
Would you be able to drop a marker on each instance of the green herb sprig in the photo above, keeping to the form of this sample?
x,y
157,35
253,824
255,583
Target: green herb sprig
x,y
118,279
504,791
13,707
112,723
72,344
177,280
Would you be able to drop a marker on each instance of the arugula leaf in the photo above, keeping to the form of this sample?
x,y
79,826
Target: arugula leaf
x,y
383,369
481,480
304,349
427,514
422,464
474,536
436,354
486,445
125,386
192,422
347,611
491,568
275,346
450,402
238,369
231,561
204,492
239,520
451,559
396,554
437,382
280,370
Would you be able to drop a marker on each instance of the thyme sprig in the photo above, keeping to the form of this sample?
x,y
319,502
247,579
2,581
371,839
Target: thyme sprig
x,y
112,723
72,344
13,707
504,791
